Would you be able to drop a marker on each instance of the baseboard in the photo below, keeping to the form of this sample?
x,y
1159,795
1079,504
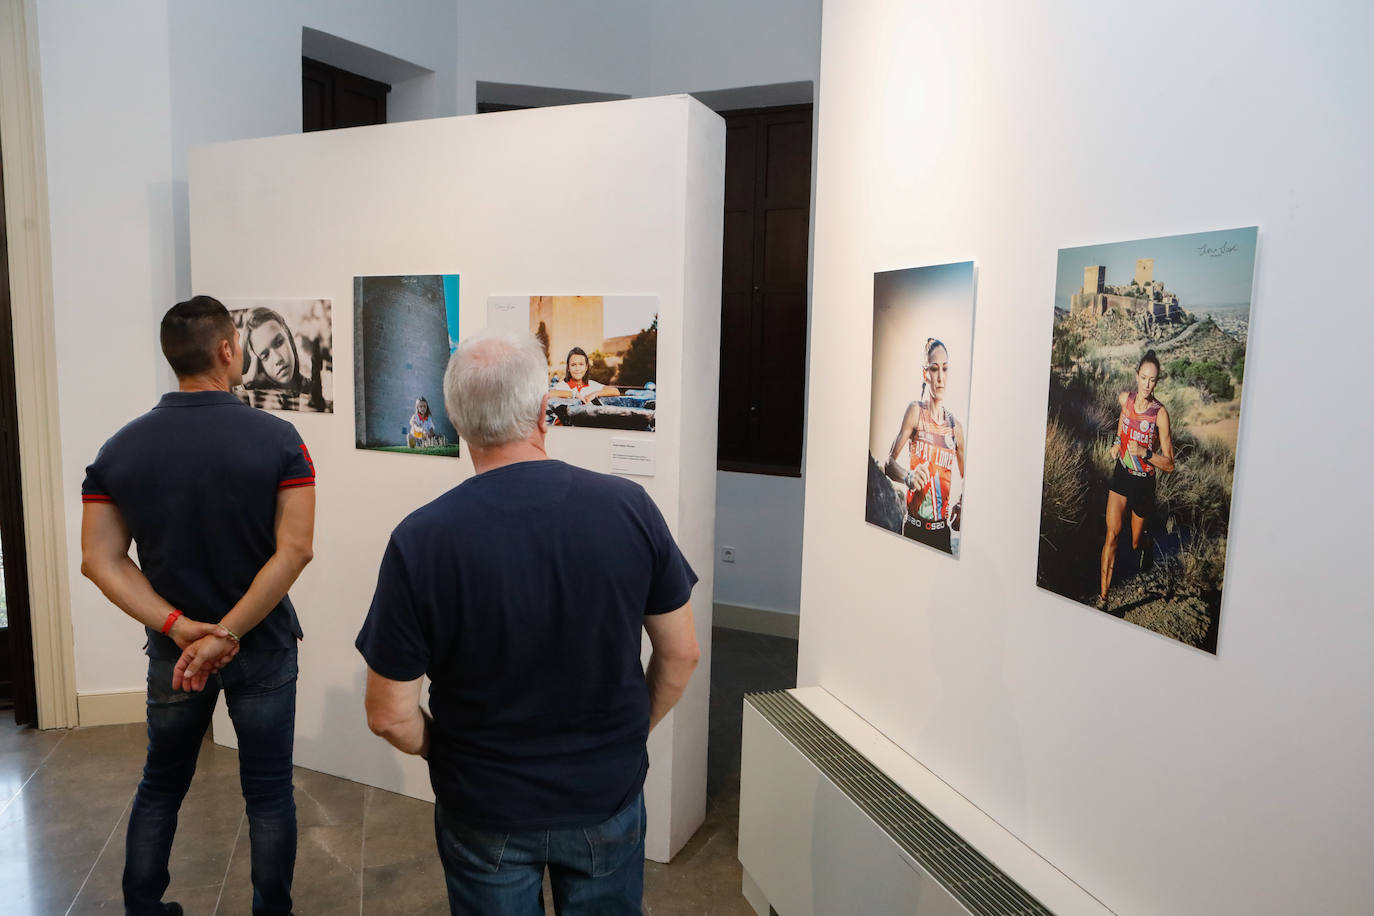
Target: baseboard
x,y
111,707
755,620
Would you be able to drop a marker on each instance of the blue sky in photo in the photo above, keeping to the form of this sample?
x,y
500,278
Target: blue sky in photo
x,y
1204,269
938,280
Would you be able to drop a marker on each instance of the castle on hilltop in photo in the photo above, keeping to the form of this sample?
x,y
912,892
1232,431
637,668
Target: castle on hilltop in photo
x,y
1144,296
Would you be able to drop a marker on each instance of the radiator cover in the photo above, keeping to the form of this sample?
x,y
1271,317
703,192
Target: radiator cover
x,y
824,830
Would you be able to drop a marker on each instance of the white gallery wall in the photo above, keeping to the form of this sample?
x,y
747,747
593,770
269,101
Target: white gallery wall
x,y
129,88
711,45
634,47
650,48
1160,778
621,198
717,45
583,45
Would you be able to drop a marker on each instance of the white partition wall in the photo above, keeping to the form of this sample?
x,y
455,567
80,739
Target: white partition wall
x,y
1162,779
621,198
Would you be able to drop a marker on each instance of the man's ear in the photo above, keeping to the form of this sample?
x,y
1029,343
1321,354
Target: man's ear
x,y
543,426
225,352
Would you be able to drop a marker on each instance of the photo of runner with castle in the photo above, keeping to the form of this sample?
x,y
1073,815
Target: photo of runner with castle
x,y
916,479
1142,424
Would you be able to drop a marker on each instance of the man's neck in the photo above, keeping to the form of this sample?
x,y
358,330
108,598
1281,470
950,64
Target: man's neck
x,y
206,382
489,459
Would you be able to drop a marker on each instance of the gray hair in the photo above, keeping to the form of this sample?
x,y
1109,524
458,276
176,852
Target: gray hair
x,y
493,387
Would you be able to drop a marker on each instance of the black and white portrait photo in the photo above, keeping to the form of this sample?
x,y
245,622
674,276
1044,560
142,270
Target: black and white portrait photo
x,y
288,353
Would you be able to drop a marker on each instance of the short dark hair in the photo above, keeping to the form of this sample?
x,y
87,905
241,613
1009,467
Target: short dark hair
x,y
190,332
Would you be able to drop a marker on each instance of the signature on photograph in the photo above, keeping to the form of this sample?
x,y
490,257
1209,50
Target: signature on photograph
x,y
1209,251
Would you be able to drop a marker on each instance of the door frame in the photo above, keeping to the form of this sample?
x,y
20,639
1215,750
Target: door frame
x,y
35,364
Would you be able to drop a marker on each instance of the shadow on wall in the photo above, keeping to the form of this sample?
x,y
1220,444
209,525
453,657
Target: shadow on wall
x,y
341,734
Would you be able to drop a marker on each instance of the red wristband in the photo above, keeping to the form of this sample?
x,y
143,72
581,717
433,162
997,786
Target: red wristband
x,y
171,619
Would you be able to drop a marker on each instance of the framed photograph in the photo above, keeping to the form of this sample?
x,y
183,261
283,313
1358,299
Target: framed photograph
x,y
288,353
1147,365
918,412
404,329
602,354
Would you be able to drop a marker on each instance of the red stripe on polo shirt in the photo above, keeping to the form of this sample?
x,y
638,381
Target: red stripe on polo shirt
x,y
296,482
95,498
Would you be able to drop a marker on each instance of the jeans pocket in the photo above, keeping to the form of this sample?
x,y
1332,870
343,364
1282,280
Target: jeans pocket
x,y
261,670
160,692
615,839
480,849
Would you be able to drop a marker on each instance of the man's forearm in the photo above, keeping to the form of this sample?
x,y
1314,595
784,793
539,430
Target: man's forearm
x,y
269,586
121,581
667,679
409,735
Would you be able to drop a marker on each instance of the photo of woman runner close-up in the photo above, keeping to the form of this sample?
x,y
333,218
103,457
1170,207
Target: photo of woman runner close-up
x,y
933,440
922,349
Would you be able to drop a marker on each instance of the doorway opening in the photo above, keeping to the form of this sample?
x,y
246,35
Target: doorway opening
x,y
765,270
17,691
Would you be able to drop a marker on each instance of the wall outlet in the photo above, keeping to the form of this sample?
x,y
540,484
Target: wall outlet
x,y
727,554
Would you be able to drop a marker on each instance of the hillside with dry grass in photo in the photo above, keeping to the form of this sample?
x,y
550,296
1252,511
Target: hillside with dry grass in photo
x,y
1174,585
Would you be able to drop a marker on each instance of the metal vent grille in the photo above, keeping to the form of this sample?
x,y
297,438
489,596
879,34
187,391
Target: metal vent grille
x,y
966,874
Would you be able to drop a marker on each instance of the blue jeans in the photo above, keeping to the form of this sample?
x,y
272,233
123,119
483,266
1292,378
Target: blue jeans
x,y
592,870
260,688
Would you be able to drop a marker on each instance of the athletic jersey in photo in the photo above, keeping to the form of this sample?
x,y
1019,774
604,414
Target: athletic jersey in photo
x,y
932,445
1138,427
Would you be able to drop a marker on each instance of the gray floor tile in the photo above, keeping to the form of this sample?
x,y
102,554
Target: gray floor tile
x,y
41,885
414,887
327,801
195,901
103,881
328,869
399,829
22,751
67,824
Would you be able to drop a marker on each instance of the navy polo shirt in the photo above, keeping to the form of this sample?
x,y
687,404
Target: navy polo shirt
x,y
196,479
522,594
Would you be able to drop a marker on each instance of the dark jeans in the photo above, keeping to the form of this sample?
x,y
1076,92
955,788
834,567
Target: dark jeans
x,y
260,688
592,870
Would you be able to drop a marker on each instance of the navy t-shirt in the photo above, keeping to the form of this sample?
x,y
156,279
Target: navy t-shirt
x,y
196,479
522,594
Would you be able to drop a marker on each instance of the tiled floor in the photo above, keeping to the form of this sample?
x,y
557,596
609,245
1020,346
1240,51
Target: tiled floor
x,y
64,801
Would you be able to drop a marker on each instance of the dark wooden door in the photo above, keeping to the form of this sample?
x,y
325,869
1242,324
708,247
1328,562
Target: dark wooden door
x,y
16,638
763,290
332,98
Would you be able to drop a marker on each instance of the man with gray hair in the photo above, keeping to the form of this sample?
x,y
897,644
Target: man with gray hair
x,y
522,594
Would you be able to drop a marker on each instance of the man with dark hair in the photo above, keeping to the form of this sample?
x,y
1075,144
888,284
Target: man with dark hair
x,y
190,332
219,499
524,594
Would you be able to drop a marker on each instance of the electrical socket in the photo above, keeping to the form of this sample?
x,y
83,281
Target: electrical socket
x,y
727,554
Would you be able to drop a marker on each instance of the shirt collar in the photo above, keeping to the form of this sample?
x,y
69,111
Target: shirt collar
x,y
197,398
